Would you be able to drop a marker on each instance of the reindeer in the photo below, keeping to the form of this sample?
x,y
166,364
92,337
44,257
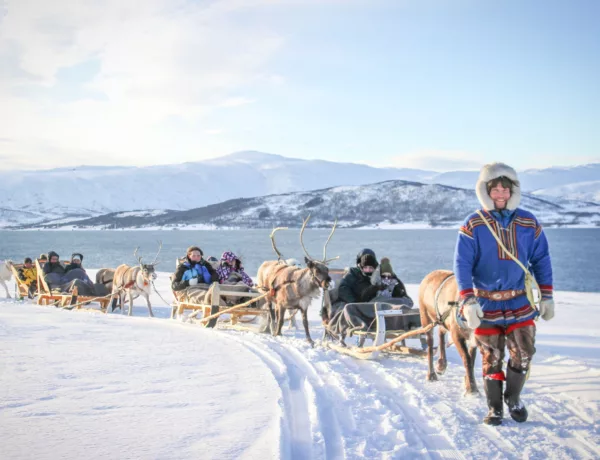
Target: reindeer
x,y
134,281
293,288
5,275
438,299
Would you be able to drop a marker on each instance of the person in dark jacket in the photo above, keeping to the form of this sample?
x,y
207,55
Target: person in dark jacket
x,y
193,271
76,262
53,265
356,285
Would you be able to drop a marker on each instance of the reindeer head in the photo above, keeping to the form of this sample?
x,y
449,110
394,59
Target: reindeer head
x,y
148,270
318,268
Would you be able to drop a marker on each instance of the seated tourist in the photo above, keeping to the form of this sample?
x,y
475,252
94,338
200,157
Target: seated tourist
x,y
58,278
354,309
192,278
231,270
76,262
28,274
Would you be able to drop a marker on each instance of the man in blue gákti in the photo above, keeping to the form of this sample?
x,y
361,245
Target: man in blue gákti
x,y
492,286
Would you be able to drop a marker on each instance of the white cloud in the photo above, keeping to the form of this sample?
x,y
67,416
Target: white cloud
x,y
437,160
236,101
160,60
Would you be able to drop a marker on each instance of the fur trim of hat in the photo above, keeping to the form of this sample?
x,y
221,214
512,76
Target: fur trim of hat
x,y
493,171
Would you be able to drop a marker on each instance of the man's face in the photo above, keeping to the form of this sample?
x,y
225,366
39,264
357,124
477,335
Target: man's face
x,y
28,264
76,261
53,259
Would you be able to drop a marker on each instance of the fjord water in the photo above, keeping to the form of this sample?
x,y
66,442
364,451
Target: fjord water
x,y
414,253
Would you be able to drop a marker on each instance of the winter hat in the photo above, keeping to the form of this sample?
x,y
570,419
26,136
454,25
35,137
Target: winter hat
x,y
368,260
386,266
43,257
365,252
494,171
77,256
27,260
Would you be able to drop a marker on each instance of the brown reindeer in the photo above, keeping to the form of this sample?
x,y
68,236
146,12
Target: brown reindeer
x,y
291,287
133,282
438,300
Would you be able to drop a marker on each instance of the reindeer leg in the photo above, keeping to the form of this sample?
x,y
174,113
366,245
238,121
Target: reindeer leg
x,y
280,316
149,306
130,311
272,318
463,351
6,289
431,375
305,324
442,363
292,323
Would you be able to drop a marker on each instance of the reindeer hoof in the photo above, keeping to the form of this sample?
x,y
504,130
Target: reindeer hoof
x,y
432,377
311,343
440,368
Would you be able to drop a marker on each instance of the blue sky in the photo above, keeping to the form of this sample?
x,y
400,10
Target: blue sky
x,y
430,84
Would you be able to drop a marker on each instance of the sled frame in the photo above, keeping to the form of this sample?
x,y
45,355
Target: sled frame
x,y
379,337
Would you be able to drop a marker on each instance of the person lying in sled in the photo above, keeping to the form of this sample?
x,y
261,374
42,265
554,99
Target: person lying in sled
x,y
76,262
28,274
193,277
347,313
58,278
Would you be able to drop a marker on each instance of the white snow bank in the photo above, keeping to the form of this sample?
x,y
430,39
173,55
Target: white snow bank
x,y
86,385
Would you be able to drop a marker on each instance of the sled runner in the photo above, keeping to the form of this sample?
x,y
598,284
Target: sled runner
x,y
379,333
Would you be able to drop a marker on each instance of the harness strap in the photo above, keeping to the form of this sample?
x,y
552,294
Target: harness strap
x,y
441,317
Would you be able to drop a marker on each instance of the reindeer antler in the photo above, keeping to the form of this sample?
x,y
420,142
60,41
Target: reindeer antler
x,y
301,240
272,236
325,260
159,249
139,258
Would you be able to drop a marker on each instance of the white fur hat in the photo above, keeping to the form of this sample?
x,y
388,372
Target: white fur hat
x,y
493,171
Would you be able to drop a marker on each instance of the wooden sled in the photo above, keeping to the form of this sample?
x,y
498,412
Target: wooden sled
x,y
380,336
48,297
220,292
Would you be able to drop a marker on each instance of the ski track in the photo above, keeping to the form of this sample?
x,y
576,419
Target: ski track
x,y
386,409
337,407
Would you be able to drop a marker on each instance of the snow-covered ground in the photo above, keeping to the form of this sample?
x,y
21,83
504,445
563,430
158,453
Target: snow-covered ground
x,y
78,384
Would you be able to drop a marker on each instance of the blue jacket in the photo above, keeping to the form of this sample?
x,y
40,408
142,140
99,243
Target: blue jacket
x,y
480,263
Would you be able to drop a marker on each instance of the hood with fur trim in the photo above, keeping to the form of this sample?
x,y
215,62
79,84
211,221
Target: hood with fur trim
x,y
492,171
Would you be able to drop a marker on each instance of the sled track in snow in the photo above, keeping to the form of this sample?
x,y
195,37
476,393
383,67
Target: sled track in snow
x,y
337,407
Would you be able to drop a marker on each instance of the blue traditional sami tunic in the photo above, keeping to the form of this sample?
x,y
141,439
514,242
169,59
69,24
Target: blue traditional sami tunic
x,y
480,263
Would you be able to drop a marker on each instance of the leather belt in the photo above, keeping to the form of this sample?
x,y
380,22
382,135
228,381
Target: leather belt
x,y
499,295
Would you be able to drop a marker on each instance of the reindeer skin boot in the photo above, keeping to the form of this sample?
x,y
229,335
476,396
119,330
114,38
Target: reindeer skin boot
x,y
493,392
514,384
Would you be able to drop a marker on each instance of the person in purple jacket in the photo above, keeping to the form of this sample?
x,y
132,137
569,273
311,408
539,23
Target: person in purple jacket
x,y
493,301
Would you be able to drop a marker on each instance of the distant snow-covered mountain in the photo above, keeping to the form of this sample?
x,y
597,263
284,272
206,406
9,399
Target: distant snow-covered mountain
x,y
83,192
386,205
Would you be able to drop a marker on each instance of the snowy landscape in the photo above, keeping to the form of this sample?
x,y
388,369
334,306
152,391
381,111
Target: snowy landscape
x,y
262,190
81,384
